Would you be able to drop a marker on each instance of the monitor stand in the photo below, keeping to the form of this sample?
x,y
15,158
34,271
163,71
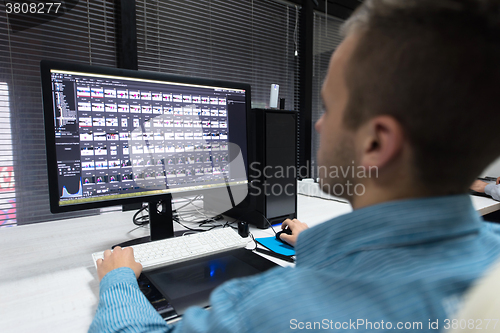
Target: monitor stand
x,y
161,224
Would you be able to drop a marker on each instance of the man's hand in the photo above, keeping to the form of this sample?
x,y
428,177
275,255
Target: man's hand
x,y
116,259
479,186
296,227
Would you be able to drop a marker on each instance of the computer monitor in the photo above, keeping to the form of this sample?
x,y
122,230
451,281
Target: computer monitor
x,y
118,136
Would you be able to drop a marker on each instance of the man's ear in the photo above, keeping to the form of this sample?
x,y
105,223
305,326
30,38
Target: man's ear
x,y
381,141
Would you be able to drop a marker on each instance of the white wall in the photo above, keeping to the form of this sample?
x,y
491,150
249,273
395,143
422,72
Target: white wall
x,y
493,170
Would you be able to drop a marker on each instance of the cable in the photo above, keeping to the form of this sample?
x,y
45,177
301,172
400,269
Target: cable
x,y
206,219
193,229
143,220
272,228
207,222
253,238
190,202
142,226
230,224
203,225
269,224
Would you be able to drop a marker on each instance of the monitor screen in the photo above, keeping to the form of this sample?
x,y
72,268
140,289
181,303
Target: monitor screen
x,y
119,136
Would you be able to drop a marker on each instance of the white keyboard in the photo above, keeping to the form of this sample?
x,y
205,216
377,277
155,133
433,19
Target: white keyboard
x,y
173,250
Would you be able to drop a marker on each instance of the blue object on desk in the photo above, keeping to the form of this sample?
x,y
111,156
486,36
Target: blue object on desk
x,y
275,245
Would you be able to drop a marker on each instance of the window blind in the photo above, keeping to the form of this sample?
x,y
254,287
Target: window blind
x,y
326,39
242,41
85,34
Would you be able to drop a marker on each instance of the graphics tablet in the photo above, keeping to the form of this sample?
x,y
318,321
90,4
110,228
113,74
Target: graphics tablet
x,y
172,289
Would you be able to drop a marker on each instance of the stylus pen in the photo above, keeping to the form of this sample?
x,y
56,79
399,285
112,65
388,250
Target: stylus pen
x,y
276,255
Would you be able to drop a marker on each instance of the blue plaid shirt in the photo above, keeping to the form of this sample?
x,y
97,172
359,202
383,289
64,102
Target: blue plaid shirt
x,y
401,265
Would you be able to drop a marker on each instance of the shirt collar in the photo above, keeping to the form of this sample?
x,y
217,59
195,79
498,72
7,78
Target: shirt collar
x,y
390,224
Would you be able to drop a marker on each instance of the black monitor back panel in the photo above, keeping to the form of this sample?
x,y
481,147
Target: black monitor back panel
x,y
272,144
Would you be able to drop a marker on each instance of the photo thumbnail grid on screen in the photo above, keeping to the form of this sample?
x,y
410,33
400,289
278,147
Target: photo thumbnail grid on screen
x,y
119,137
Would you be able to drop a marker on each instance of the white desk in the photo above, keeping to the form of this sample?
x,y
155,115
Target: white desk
x,y
48,282
485,205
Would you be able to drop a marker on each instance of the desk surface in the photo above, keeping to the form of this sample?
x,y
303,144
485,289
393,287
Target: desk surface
x,y
48,282
485,205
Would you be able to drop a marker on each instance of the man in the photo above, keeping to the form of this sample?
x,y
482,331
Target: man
x,y
493,190
411,93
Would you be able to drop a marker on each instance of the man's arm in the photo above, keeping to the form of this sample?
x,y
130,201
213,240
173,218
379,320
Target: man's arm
x,y
122,306
478,186
116,259
296,227
493,190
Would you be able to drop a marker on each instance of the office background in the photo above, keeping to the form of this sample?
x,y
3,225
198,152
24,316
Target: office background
x,y
253,41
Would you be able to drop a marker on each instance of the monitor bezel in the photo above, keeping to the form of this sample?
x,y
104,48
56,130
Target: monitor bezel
x,y
45,69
